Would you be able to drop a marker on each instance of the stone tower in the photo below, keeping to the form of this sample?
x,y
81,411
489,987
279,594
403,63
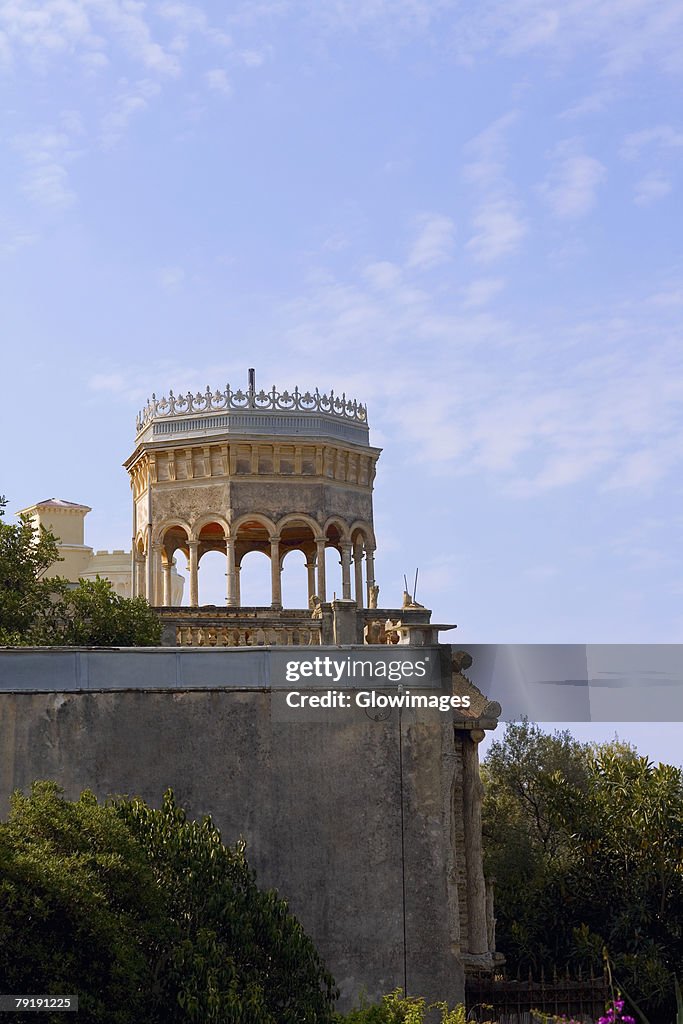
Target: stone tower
x,y
238,471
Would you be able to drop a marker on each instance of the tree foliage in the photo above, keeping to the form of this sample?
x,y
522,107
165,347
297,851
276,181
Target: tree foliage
x,y
147,917
586,846
92,614
235,951
79,910
397,1008
25,554
40,611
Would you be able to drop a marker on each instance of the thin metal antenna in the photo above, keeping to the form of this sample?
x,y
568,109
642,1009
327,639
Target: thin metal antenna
x,y
252,381
415,585
405,583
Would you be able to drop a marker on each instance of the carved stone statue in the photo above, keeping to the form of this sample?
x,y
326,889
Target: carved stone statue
x,y
408,601
316,607
373,596
374,632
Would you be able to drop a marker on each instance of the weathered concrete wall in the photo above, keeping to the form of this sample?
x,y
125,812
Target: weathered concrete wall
x,y
351,819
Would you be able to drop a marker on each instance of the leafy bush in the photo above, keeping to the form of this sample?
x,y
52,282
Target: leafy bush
x,y
147,916
396,1008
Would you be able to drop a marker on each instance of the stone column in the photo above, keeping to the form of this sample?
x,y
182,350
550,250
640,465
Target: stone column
x,y
358,574
149,567
369,571
346,569
473,793
133,571
310,571
139,576
168,583
194,573
320,559
238,592
231,597
157,581
276,589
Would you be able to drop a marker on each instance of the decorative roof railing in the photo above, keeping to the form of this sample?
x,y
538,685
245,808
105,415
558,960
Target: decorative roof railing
x,y
278,401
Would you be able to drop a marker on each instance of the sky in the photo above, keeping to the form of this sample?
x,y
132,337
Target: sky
x,y
466,215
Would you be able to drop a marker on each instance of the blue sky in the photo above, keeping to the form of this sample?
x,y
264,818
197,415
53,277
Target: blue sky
x,y
465,215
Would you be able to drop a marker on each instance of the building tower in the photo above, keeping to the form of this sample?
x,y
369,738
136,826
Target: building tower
x,y
238,471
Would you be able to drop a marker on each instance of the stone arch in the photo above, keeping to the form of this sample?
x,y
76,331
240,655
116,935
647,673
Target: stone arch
x,y
339,525
168,537
360,526
300,532
254,531
138,577
294,518
363,550
209,517
161,529
256,517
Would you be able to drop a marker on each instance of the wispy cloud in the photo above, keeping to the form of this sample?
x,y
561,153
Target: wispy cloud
x,y
218,81
481,291
600,407
383,275
498,230
570,190
43,31
434,242
661,136
45,180
498,223
130,101
651,188
13,239
171,278
487,153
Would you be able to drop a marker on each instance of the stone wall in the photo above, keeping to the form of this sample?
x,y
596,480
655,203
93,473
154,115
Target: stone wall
x,y
358,822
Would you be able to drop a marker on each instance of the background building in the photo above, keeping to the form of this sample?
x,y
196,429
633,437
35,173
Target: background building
x,y
66,520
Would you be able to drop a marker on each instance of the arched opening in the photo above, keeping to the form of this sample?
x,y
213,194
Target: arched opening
x,y
212,568
294,580
334,538
298,579
254,579
211,564
182,566
174,553
333,573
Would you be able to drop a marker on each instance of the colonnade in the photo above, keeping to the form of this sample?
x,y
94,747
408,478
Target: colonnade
x,y
153,563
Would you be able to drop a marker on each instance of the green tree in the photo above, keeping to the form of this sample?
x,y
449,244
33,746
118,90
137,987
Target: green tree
x,y
50,612
147,916
586,845
236,951
92,614
25,555
79,909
